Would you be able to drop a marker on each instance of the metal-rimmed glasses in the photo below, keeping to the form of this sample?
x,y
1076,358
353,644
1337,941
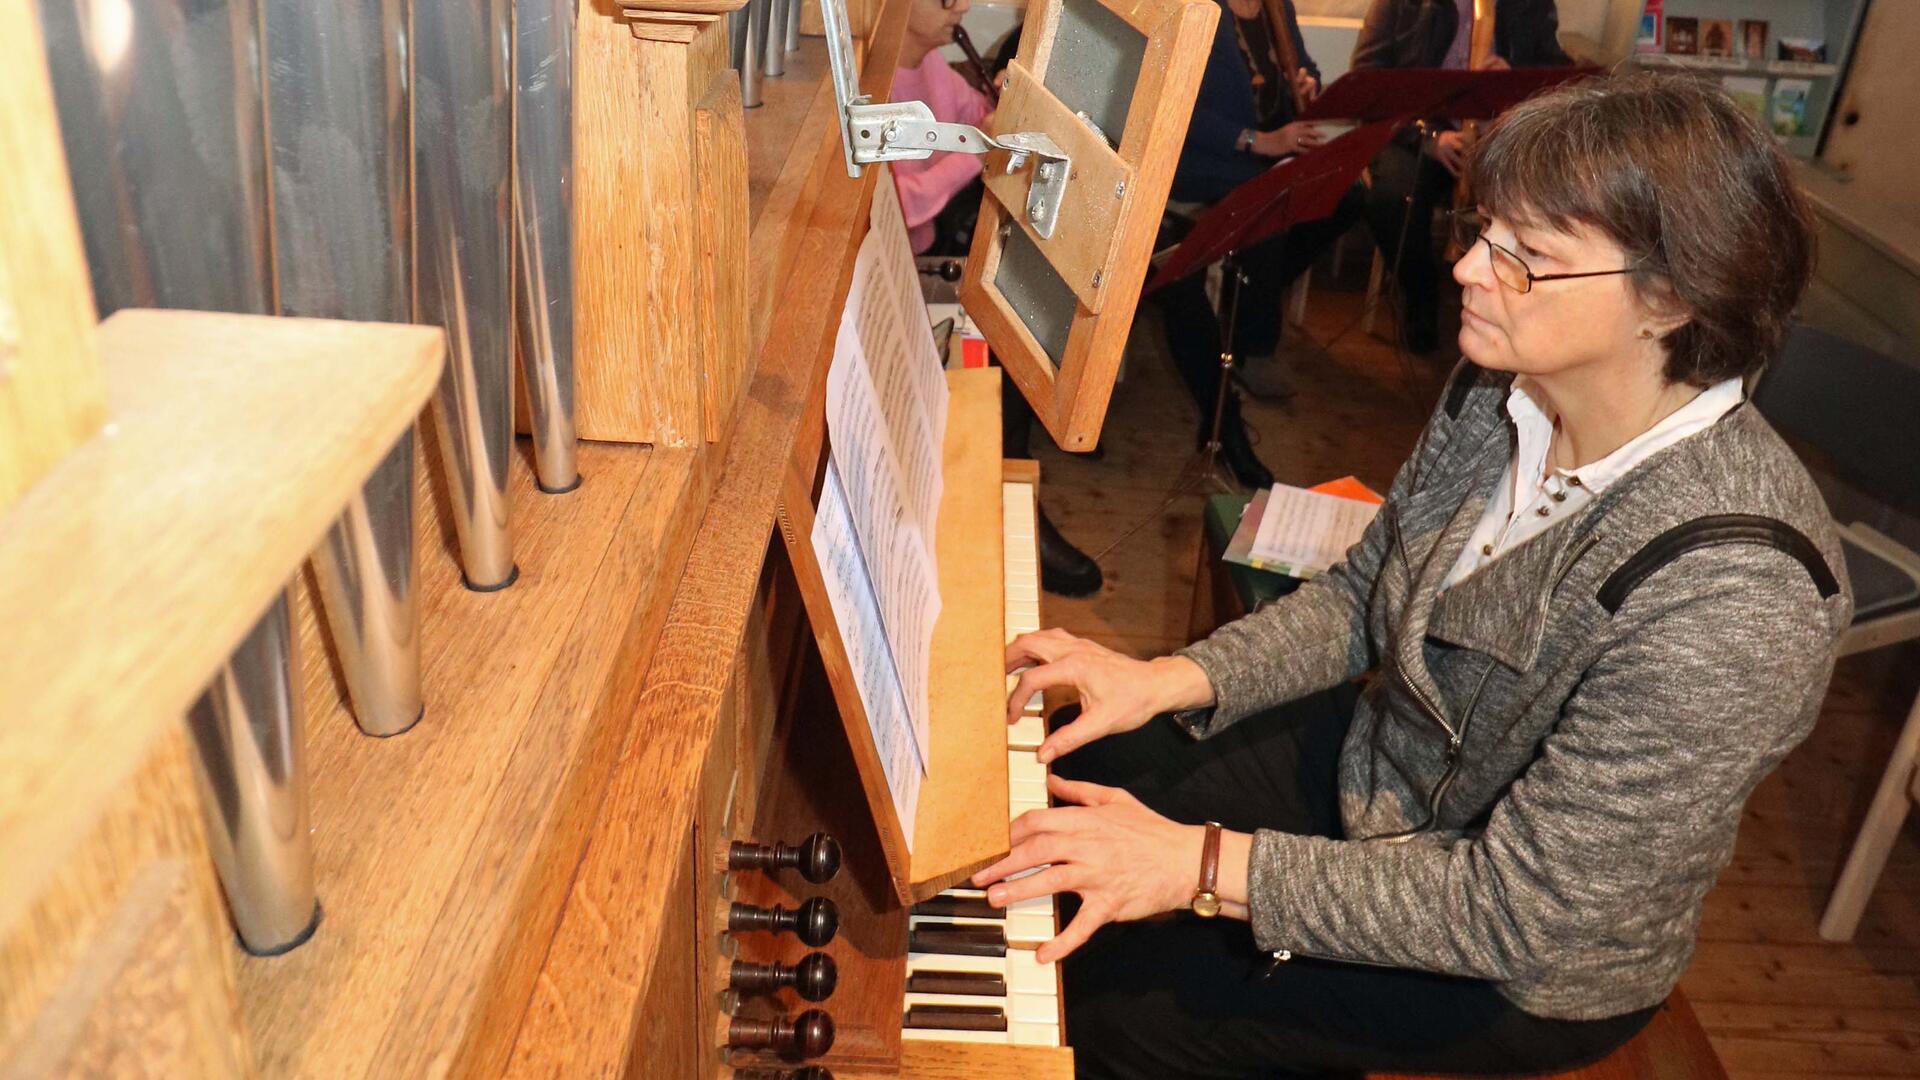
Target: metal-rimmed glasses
x,y
1508,267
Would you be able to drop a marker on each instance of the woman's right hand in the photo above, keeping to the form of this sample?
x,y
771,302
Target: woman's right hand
x,y
1117,693
1295,138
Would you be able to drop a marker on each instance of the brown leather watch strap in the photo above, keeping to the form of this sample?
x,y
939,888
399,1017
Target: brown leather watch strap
x,y
1210,858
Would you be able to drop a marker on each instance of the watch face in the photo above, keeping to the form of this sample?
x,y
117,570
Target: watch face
x,y
1206,905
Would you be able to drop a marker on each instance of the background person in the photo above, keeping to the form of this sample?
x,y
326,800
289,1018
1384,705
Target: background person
x,y
1243,122
1416,172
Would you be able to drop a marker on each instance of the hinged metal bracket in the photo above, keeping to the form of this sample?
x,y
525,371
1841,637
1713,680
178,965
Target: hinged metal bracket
x,y
872,133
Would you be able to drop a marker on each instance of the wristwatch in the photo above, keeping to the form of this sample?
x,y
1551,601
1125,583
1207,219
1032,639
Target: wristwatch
x,y
1244,143
1206,902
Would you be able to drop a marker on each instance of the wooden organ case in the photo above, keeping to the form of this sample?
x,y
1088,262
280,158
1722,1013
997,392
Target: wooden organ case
x,y
607,807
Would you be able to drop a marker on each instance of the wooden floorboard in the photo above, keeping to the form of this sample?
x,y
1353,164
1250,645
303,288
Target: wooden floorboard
x,y
1775,1000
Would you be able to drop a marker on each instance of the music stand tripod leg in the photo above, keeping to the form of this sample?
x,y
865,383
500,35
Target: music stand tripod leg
x,y
1205,464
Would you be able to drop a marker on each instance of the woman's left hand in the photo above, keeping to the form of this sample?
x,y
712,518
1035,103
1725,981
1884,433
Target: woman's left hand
x,y
1124,860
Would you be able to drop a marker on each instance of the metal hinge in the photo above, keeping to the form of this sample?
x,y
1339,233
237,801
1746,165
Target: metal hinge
x,y
872,133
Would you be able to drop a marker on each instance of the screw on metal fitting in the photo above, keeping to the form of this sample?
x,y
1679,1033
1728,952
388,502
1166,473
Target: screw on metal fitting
x,y
1096,279
1120,190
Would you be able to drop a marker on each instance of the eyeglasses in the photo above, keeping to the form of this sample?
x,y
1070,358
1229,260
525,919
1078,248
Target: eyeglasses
x,y
1511,270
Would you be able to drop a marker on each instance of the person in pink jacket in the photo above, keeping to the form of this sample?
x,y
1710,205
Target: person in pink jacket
x,y
927,186
940,198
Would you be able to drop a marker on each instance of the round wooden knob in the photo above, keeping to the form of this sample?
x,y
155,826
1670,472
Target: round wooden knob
x,y
817,857
813,978
814,922
805,1036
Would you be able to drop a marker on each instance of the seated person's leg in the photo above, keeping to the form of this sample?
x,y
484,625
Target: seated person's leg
x,y
1193,339
1192,998
1272,266
1065,570
1275,771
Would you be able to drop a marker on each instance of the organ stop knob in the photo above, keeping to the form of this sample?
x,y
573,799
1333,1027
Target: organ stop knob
x,y
817,857
813,978
805,1036
814,922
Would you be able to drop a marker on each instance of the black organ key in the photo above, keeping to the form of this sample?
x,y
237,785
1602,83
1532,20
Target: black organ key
x,y
952,939
970,983
956,1018
960,907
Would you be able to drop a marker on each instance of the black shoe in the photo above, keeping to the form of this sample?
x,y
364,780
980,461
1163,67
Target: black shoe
x,y
1065,570
1236,453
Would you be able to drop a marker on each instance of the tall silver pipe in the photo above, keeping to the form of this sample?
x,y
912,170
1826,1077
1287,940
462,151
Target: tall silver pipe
x,y
750,49
247,734
463,279
160,115
337,95
542,222
793,25
776,51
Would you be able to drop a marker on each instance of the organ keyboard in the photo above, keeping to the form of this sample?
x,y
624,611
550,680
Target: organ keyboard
x,y
971,972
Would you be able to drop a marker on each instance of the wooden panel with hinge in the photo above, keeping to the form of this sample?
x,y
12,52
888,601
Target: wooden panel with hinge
x,y
1104,238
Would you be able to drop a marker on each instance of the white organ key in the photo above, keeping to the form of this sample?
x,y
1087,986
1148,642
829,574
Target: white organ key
x,y
1030,929
1031,1034
1025,975
992,965
953,920
1027,733
1023,766
1029,792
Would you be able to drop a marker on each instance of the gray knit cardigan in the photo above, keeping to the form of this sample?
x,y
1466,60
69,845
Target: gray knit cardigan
x,y
1588,765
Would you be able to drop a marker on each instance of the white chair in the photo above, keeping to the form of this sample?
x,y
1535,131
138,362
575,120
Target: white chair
x,y
1856,409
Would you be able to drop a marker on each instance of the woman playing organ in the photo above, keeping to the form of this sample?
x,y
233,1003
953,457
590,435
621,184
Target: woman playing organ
x,y
1599,605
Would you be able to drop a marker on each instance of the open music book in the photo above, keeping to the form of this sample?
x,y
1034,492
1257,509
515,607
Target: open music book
x,y
874,529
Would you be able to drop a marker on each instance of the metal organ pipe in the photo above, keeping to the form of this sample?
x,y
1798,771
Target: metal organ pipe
x,y
337,94
462,154
542,229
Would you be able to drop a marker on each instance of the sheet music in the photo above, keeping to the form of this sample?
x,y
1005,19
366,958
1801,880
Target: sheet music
x,y
850,589
886,422
1303,533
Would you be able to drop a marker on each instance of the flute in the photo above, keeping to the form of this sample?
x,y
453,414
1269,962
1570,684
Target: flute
x,y
974,62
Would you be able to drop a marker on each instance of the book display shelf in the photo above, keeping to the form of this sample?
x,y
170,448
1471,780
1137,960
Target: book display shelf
x,y
1781,59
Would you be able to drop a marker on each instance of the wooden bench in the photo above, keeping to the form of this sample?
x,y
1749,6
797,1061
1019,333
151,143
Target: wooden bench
x,y
1672,1047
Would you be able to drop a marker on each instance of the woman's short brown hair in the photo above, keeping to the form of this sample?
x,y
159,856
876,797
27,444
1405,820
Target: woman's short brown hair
x,y
1692,189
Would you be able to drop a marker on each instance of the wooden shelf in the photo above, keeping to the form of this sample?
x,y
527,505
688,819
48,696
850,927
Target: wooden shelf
x,y
1737,65
132,568
442,854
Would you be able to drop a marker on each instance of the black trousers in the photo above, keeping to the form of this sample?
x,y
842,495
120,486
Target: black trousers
x,y
1193,328
1191,997
1406,187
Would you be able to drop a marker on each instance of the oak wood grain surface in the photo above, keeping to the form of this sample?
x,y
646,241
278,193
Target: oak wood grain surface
x,y
582,1017
123,964
443,853
134,567
51,394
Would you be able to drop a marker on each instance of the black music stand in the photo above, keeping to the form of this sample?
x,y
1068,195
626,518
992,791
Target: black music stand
x,y
1302,188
